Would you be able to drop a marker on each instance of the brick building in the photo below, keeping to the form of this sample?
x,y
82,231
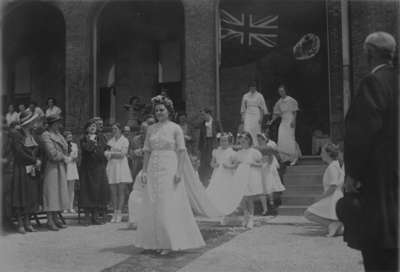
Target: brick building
x,y
81,52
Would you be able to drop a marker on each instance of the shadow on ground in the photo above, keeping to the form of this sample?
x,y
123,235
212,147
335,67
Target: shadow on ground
x,y
147,261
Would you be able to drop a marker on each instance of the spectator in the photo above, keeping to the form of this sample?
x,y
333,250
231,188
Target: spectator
x,y
187,131
118,171
94,189
33,107
72,169
12,117
25,179
52,108
55,190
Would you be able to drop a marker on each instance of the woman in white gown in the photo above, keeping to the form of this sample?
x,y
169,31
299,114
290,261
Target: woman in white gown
x,y
287,108
165,220
323,211
220,188
253,110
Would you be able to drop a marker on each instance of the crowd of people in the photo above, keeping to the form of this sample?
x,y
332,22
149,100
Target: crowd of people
x,y
175,179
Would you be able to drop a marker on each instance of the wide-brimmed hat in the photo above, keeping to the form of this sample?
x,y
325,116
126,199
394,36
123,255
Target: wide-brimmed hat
x,y
27,117
51,119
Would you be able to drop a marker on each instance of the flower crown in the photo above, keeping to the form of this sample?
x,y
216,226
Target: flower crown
x,y
160,99
223,134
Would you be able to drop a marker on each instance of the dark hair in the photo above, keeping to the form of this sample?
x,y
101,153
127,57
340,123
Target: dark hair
x,y
207,110
133,98
333,151
252,83
52,98
88,124
282,85
168,106
248,136
118,125
33,103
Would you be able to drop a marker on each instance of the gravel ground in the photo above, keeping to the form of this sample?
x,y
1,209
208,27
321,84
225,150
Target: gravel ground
x,y
280,244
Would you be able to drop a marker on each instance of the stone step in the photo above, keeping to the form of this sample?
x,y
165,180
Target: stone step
x,y
297,199
310,160
292,210
314,180
293,189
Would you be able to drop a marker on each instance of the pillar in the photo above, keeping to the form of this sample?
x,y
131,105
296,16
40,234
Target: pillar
x,y
200,56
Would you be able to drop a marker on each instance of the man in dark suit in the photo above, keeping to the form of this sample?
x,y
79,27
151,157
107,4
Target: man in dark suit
x,y
371,156
208,130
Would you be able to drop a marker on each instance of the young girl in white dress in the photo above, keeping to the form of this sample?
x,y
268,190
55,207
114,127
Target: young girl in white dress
x,y
323,211
270,165
248,174
72,169
118,172
220,189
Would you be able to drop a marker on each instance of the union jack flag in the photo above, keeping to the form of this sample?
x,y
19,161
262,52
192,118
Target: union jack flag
x,y
249,29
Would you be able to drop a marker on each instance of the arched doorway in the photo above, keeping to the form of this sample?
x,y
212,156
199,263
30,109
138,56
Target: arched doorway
x,y
258,41
33,54
140,50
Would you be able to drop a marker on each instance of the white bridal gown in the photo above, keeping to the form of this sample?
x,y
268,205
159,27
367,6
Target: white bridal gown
x,y
163,213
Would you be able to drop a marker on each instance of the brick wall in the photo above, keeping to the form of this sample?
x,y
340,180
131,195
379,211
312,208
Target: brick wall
x,y
365,18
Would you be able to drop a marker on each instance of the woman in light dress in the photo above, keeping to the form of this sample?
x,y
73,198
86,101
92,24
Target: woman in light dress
x,y
52,108
221,187
253,110
118,171
165,220
248,174
271,179
286,108
323,211
72,169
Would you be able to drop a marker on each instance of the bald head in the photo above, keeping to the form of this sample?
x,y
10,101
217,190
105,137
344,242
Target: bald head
x,y
380,45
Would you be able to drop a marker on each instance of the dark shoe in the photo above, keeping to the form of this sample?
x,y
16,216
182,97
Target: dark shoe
x,y
52,227
29,228
60,225
21,230
96,221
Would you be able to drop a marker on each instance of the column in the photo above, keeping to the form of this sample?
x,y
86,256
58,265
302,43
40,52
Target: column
x,y
200,56
78,91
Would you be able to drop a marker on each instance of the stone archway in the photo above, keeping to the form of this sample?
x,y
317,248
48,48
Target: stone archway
x,y
140,47
33,50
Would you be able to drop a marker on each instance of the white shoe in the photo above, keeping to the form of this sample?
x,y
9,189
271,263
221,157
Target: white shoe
x,y
165,252
114,218
250,224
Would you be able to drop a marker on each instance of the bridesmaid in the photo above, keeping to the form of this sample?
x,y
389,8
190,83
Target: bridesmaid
x,y
25,179
323,212
253,110
94,189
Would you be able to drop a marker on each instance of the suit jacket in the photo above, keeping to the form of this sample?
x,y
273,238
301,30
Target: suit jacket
x,y
215,129
371,156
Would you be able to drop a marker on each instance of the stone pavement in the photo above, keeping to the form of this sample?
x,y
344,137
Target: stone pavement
x,y
285,243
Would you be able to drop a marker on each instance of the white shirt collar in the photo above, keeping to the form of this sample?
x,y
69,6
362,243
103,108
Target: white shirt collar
x,y
378,67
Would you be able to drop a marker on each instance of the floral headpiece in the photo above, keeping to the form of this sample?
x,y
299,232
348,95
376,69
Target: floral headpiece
x,y
160,99
223,134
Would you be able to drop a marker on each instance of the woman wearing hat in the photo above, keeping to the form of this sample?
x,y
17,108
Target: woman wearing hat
x,y
55,189
25,180
94,188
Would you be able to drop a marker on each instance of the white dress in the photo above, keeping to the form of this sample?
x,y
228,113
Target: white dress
x,y
271,180
53,111
221,184
164,216
252,104
286,108
326,207
247,175
117,166
72,169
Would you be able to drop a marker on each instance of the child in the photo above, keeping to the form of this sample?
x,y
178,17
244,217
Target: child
x,y
195,160
72,170
220,188
271,179
248,174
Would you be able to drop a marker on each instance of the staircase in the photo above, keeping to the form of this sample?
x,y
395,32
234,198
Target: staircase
x,y
303,184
